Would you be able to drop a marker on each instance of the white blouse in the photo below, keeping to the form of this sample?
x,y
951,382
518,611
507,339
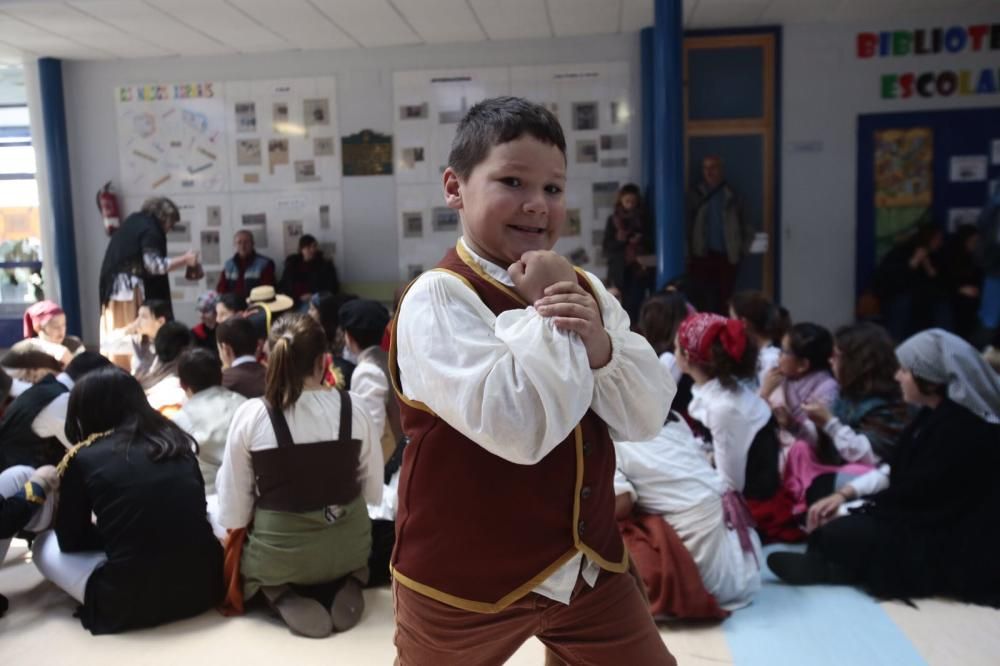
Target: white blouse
x,y
733,417
315,417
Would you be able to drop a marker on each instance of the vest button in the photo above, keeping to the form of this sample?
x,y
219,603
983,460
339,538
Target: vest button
x,y
586,448
581,527
585,492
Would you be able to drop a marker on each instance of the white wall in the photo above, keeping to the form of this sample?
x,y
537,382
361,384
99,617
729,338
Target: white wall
x,y
364,98
824,89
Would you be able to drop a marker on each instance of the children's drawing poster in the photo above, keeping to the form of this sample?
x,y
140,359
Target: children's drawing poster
x,y
172,138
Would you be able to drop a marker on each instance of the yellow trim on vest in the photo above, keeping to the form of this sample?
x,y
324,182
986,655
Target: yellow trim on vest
x,y
394,366
464,255
482,606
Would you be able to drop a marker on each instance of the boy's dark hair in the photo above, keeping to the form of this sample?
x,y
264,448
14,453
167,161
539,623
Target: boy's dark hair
x,y
813,343
328,306
660,317
762,316
867,365
365,320
238,333
83,363
172,338
730,371
158,308
500,120
306,240
199,369
233,302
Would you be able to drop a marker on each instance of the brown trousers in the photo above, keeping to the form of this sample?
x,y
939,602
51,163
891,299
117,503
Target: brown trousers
x,y
607,625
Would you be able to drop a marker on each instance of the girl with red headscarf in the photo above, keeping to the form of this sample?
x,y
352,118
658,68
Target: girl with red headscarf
x,y
45,326
722,360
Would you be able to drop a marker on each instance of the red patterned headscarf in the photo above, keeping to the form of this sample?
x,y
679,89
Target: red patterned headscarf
x,y
39,315
698,331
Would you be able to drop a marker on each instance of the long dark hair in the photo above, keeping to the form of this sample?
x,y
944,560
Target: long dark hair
x,y
110,398
867,364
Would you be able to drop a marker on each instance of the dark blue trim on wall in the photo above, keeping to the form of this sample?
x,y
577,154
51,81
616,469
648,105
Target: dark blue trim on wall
x,y
668,147
60,188
776,148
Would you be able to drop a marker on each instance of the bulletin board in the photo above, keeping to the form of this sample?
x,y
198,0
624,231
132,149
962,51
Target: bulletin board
x,y
254,155
593,104
912,167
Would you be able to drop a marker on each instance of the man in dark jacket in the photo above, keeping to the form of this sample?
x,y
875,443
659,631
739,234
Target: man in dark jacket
x,y
308,272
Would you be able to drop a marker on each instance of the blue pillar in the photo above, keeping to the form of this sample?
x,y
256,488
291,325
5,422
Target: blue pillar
x,y
60,188
668,146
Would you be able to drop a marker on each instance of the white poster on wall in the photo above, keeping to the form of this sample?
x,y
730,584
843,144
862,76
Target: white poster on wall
x,y
278,220
172,137
284,134
428,106
593,104
967,168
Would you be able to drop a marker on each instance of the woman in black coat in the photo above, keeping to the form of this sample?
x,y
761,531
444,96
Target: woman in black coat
x,y
150,557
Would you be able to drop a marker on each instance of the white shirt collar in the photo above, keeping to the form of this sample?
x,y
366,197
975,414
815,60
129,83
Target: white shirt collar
x,y
240,360
497,273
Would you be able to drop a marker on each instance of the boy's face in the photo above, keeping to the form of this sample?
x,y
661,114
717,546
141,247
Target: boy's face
x,y
513,201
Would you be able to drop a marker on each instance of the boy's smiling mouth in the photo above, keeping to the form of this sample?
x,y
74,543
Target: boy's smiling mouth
x,y
527,230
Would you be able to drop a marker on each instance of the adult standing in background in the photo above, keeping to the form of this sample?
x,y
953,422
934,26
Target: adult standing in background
x,y
308,272
989,260
718,233
246,269
627,235
135,267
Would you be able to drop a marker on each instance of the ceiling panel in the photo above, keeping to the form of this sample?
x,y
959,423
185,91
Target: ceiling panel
x,y
43,43
636,14
224,23
67,22
514,19
726,13
369,22
584,17
441,21
298,22
145,22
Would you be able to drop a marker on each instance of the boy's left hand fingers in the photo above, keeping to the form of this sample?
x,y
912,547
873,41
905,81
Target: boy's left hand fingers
x,y
575,310
579,299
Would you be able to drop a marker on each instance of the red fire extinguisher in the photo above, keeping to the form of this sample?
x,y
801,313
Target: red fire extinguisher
x,y
107,203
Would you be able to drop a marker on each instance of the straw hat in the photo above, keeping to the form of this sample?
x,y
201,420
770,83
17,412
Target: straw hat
x,y
266,296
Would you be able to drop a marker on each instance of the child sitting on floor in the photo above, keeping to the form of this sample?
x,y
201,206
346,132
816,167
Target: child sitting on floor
x,y
720,358
802,376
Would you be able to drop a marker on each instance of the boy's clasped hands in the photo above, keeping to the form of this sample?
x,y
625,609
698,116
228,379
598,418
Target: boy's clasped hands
x,y
548,281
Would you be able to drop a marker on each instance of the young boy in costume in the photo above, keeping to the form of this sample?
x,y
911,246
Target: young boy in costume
x,y
514,372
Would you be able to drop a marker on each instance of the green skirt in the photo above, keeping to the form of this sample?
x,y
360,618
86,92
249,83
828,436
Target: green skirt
x,y
304,548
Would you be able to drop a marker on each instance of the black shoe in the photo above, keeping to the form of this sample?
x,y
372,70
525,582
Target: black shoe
x,y
799,568
4,605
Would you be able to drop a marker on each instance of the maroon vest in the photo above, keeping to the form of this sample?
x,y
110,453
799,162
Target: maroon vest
x,y
478,532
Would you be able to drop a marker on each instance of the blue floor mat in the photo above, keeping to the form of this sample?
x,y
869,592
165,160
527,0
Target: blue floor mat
x,y
815,625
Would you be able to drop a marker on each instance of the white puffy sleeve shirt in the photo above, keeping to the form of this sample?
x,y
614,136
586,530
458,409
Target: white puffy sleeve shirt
x,y
313,418
513,383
